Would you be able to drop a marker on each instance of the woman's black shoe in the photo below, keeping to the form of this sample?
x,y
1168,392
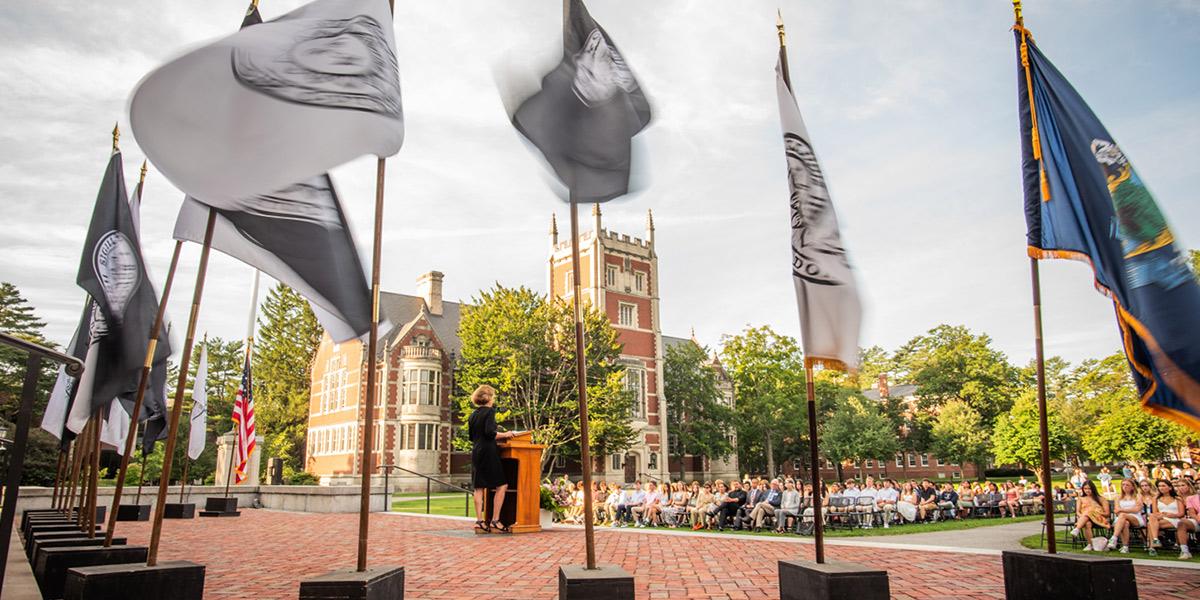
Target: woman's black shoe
x,y
500,527
482,527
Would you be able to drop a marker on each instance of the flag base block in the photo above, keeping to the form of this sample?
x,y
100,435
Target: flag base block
x,y
67,527
50,565
179,510
79,540
1035,574
605,582
31,513
53,535
377,583
133,512
832,580
58,519
174,580
220,507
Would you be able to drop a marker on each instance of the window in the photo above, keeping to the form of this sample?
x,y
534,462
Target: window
x,y
569,283
653,463
616,462
627,317
426,436
925,460
377,443
639,279
912,459
870,464
411,441
422,386
610,276
635,382
899,460
560,462
940,462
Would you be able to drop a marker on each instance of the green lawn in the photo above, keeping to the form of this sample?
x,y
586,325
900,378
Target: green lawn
x,y
455,506
1064,545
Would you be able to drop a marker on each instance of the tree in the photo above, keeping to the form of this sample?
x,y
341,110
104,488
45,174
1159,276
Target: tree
x,y
698,422
17,318
768,377
288,337
951,362
1016,437
858,431
958,434
1129,433
225,360
873,362
523,345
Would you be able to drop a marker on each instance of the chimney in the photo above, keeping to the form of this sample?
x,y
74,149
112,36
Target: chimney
x,y
884,392
429,287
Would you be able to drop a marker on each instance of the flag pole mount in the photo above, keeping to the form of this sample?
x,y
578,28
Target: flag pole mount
x,y
799,578
116,133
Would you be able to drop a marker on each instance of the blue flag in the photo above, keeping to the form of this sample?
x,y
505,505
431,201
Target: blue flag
x,y
1084,201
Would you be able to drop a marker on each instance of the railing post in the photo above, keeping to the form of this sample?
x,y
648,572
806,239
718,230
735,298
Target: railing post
x,y
428,488
387,496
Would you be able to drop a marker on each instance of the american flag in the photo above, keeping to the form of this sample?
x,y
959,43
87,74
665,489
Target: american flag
x,y
243,423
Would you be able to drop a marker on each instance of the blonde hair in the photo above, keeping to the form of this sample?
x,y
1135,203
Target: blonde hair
x,y
483,394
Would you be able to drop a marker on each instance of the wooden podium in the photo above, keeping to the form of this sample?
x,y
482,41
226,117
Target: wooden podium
x,y
522,462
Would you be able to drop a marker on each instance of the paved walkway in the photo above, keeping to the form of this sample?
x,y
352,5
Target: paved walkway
x,y
264,554
996,537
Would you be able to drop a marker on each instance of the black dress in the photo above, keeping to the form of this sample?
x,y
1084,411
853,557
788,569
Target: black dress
x,y
485,456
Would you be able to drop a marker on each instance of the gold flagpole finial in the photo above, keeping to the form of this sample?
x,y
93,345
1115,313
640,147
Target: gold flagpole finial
x,y
779,27
253,7
116,136
142,177
1017,13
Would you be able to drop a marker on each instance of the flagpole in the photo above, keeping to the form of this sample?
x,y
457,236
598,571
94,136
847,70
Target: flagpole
x,y
585,457
143,383
1035,279
368,428
177,407
58,477
248,355
810,388
74,478
141,476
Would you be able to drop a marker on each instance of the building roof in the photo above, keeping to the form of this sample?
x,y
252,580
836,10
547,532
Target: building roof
x,y
669,341
402,309
894,391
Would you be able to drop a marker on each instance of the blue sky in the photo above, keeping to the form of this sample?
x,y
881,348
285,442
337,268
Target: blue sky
x,y
912,109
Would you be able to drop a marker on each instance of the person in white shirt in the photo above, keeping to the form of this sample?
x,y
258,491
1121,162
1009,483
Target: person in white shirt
x,y
650,507
885,501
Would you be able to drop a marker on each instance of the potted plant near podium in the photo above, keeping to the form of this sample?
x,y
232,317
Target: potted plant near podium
x,y
556,498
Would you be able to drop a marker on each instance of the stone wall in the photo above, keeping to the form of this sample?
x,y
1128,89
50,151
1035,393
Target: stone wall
x,y
299,498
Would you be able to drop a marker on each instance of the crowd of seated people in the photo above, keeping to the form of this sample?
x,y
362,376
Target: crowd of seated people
x,y
1118,507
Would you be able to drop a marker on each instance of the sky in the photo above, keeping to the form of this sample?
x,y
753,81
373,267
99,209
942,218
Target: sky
x,y
911,107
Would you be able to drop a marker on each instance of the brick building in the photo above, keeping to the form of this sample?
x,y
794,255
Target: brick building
x,y
904,465
414,417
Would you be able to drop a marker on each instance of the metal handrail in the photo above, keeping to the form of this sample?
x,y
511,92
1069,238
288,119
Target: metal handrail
x,y
428,489
73,365
36,353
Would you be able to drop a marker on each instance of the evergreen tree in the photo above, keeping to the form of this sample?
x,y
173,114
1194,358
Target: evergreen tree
x,y
17,318
699,420
287,340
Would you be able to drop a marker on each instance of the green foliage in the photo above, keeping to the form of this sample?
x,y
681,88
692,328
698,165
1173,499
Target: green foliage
x,y
1129,433
17,318
768,376
1016,437
958,434
302,478
288,336
873,362
225,360
698,422
857,431
1195,260
951,362
523,345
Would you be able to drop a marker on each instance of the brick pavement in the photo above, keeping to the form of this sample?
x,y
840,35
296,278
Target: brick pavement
x,y
264,555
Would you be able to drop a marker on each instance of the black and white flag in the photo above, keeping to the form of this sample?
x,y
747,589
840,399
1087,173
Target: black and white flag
x,y
58,406
299,236
274,104
826,291
112,272
586,113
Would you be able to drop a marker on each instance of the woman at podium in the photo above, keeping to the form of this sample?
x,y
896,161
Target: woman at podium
x,y
486,471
